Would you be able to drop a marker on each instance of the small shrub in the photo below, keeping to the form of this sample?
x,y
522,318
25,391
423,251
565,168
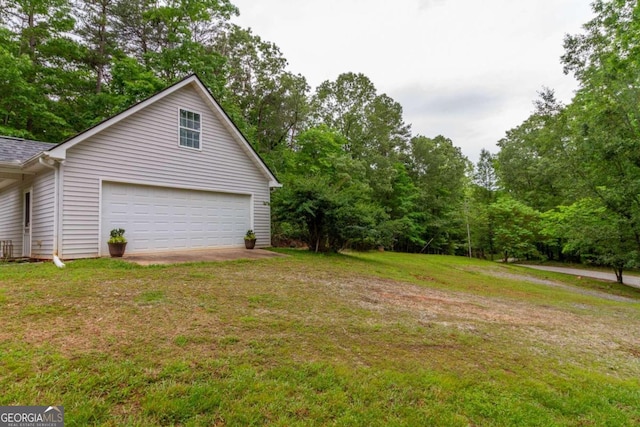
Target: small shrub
x,y
117,236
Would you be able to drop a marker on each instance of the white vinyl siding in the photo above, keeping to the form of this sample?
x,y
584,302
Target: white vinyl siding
x,y
42,214
142,149
11,215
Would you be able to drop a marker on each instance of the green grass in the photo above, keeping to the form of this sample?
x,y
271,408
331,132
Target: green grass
x,y
358,339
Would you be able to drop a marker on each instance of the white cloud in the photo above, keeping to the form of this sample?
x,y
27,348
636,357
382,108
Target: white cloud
x,y
466,69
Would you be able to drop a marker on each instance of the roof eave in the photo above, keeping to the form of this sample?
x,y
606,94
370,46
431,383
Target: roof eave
x,y
11,167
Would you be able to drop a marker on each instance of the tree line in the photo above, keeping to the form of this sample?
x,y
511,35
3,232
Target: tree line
x,y
563,185
353,174
574,170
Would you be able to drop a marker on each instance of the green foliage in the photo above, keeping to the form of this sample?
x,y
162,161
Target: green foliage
x,y
271,102
605,124
438,170
581,162
531,165
249,235
482,192
15,91
323,200
131,82
353,174
117,236
589,229
517,227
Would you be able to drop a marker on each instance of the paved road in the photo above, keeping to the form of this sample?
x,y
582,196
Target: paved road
x,y
633,281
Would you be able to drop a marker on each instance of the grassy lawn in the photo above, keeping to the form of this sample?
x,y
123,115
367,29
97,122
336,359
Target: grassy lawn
x,y
349,340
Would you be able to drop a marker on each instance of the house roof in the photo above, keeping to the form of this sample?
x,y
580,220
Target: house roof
x,y
19,150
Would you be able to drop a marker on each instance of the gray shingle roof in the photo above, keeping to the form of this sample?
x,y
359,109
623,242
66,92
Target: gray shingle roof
x,y
21,150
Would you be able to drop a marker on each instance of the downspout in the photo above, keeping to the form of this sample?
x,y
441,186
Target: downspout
x,y
55,165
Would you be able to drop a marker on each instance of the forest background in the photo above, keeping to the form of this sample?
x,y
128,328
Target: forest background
x,y
564,185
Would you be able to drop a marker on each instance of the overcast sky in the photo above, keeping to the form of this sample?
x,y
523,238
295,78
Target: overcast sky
x,y
466,69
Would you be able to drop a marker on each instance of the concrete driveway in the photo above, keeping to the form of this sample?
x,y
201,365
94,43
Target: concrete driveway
x,y
205,255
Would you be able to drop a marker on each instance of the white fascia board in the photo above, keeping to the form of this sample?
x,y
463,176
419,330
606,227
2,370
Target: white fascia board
x,y
14,168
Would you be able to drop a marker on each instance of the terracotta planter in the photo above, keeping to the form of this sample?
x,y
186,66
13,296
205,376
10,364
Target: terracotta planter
x,y
116,250
249,243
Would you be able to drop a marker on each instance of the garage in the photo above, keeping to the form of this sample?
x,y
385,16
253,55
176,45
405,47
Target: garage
x,y
161,218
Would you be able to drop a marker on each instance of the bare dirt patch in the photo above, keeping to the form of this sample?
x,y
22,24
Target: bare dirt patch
x,y
583,331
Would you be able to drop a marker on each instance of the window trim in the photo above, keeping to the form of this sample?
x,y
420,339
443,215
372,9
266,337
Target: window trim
x,y
189,110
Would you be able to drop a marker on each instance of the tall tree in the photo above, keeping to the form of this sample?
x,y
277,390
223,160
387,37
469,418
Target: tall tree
x,y
272,102
95,27
371,123
438,169
341,105
175,37
531,163
483,193
517,228
592,231
324,201
16,93
604,116
55,75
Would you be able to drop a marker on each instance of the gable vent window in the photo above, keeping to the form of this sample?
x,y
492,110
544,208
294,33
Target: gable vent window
x,y
189,129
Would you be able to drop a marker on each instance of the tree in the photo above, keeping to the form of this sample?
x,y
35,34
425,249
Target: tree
x,y
371,123
592,231
39,32
176,37
16,94
438,169
482,193
517,228
484,176
604,116
268,102
403,230
531,165
96,20
341,105
131,82
323,202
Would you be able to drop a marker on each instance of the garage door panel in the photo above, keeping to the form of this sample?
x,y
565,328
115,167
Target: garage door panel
x,y
159,218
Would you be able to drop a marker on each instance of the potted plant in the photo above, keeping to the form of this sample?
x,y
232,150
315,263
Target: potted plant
x,y
117,242
250,239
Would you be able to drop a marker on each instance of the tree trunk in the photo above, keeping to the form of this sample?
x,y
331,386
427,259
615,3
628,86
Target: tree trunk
x,y
618,271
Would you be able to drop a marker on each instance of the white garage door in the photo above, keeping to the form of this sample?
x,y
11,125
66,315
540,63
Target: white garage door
x,y
161,219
